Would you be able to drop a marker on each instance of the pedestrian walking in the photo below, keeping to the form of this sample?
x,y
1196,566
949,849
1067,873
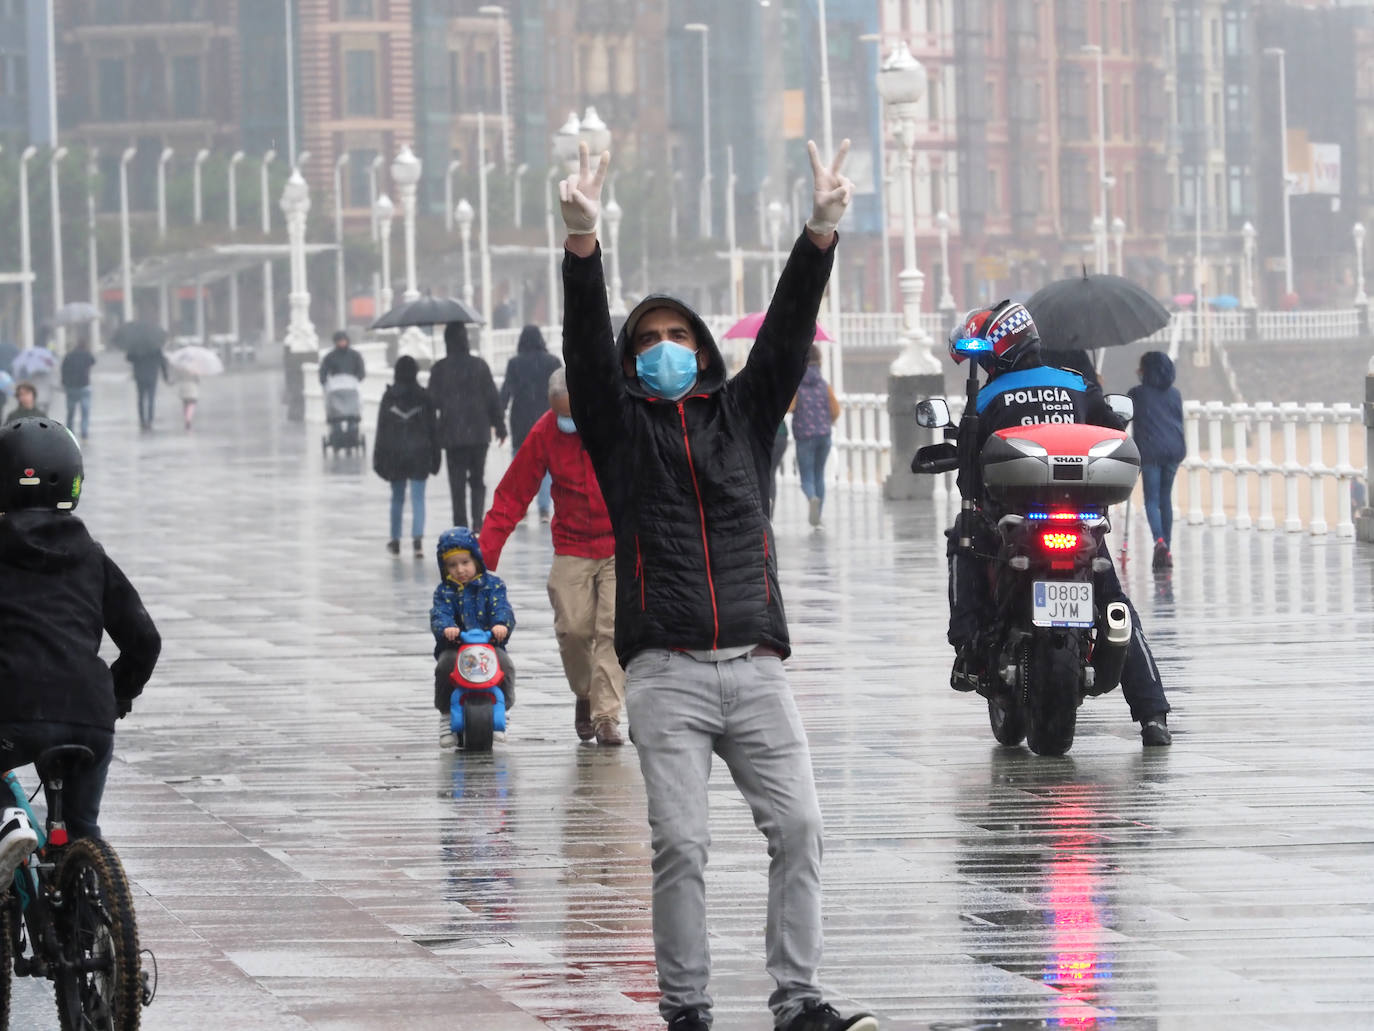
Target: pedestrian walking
x,y
582,578
779,451
187,384
1158,430
814,410
145,354
525,390
405,450
469,411
76,383
682,455
342,359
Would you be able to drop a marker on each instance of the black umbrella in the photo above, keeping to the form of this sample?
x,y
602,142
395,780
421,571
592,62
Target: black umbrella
x,y
429,311
1095,311
138,336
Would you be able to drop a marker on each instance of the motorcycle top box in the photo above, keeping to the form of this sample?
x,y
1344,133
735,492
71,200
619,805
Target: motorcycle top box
x,y
1050,463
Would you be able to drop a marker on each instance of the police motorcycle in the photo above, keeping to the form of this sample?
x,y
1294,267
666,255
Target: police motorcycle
x,y
1034,515
477,705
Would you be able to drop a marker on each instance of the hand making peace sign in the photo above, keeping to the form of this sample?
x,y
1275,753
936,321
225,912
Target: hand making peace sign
x,y
579,194
832,192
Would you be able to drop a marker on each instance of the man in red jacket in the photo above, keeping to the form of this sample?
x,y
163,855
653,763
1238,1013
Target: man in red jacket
x,y
582,580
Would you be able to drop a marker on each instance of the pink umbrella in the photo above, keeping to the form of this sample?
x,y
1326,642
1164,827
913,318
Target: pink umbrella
x,y
747,328
1184,300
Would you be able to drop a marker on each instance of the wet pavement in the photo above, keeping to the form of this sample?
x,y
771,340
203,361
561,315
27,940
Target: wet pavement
x,y
305,857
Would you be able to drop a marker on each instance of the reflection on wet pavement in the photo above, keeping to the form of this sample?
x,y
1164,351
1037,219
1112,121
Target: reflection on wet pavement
x,y
306,857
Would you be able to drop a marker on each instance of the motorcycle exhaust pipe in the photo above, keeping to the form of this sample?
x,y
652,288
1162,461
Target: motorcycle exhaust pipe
x,y
1109,657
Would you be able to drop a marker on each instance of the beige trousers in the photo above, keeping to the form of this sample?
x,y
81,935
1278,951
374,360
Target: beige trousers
x,y
582,591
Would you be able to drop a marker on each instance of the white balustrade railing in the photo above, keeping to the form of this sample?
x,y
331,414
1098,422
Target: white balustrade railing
x,y
1309,482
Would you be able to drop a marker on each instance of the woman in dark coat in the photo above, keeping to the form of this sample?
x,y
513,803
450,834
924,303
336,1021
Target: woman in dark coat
x,y
406,449
1158,431
526,390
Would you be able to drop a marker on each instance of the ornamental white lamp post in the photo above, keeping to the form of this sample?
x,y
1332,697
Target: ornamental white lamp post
x,y
613,214
295,205
499,13
946,303
453,166
1357,231
564,163
463,215
269,318
340,286
92,251
777,214
234,160
1099,230
25,253
1287,181
55,209
163,308
382,213
125,259
405,173
197,209
1247,267
483,241
1119,236
705,30
901,83
374,169
516,176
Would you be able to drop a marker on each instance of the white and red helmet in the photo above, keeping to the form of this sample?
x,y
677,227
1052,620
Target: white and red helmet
x,y
1007,331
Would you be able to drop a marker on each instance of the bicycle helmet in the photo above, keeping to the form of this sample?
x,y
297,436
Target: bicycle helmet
x,y
1007,330
40,465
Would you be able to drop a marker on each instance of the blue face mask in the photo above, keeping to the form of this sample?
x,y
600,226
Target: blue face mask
x,y
667,370
566,424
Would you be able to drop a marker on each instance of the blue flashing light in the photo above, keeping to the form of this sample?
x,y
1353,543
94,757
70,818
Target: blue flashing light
x,y
972,345
1062,516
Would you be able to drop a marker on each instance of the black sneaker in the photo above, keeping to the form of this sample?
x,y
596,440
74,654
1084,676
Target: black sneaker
x,y
1162,559
1155,730
394,547
419,546
688,1020
968,669
821,1016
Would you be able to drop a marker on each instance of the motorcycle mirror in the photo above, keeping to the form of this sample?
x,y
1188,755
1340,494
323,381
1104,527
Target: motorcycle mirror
x,y
933,412
1122,405
936,458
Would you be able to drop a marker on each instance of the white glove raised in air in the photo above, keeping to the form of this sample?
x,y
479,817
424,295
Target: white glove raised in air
x,y
579,195
832,192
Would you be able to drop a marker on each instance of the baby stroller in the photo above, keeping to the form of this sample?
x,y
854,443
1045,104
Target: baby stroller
x,y
343,410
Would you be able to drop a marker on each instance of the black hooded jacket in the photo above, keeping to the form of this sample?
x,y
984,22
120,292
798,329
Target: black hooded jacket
x,y
686,483
526,386
406,446
59,592
1158,422
464,393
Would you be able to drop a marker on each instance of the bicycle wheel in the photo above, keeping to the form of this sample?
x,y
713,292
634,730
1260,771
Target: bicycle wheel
x,y
101,990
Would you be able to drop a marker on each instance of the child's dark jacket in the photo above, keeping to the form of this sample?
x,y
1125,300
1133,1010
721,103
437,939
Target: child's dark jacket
x,y
481,602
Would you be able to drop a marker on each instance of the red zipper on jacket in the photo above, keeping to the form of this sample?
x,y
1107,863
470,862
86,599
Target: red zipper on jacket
x,y
701,512
639,573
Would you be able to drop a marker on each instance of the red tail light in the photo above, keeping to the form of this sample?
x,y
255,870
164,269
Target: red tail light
x,y
1059,540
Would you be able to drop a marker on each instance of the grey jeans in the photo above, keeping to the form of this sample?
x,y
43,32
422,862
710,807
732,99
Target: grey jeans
x,y
681,711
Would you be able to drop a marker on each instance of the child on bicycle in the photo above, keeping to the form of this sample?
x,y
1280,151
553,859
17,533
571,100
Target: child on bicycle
x,y
467,598
59,592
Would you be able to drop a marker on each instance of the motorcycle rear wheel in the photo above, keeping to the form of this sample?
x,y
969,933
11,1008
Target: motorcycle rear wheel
x,y
1050,674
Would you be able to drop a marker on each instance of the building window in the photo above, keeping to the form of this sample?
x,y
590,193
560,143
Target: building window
x,y
360,84
363,9
186,90
359,174
455,81
994,192
109,11
113,100
185,10
1127,115
479,90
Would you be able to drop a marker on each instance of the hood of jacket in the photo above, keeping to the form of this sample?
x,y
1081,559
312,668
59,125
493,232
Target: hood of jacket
x,y
811,376
39,539
531,340
455,339
459,537
407,372
709,379
1156,370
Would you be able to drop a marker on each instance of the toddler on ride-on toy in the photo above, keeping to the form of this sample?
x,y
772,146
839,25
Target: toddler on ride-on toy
x,y
467,599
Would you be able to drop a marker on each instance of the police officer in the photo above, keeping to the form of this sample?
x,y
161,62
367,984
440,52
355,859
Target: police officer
x,y
1022,391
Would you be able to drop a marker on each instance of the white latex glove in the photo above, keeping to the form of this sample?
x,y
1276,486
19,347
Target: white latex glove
x,y
832,193
579,195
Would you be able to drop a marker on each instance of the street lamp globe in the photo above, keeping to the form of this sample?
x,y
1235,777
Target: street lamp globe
x,y
1118,226
405,170
565,141
1357,231
383,209
901,79
463,213
777,214
295,195
612,211
594,131
942,220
